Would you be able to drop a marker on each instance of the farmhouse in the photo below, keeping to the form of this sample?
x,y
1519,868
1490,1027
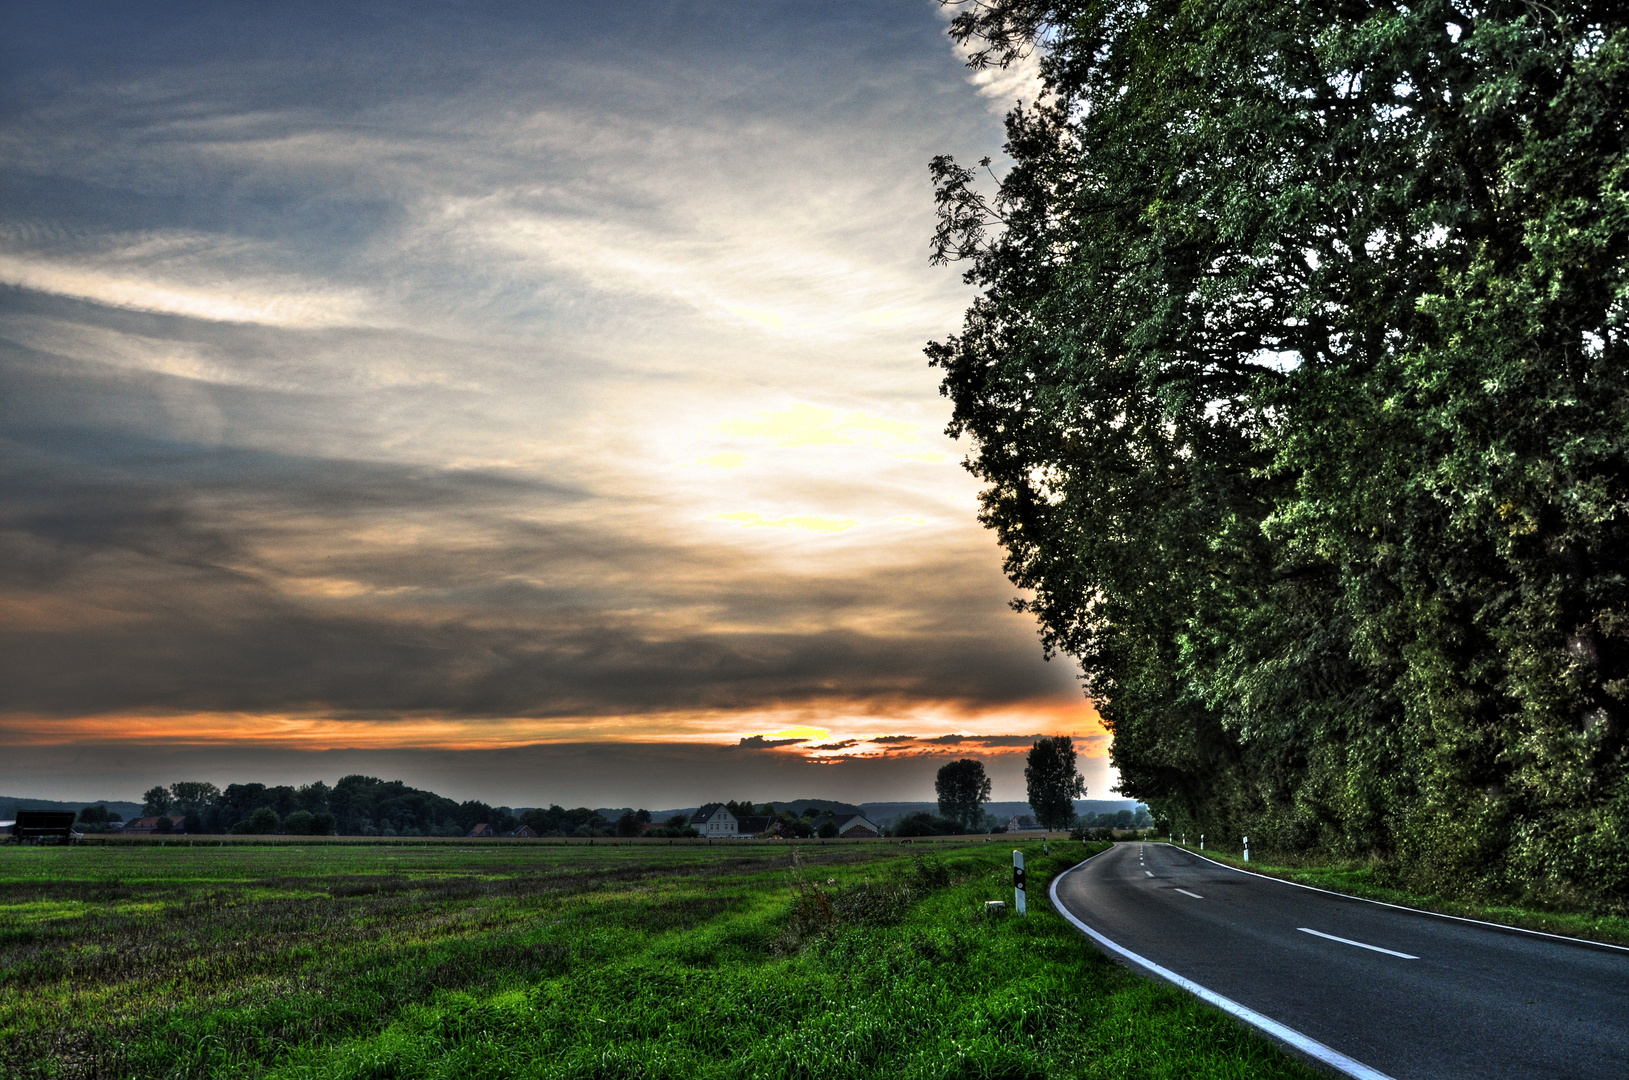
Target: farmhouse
x,y
850,826
857,828
155,824
760,825
483,831
715,821
524,833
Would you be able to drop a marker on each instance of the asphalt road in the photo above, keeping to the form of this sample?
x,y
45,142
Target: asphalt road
x,y
1462,1000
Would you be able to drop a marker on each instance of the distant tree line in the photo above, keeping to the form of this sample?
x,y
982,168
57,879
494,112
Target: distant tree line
x,y
355,806
368,806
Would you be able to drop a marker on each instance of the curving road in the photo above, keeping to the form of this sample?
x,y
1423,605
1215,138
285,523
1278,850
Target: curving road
x,y
1372,990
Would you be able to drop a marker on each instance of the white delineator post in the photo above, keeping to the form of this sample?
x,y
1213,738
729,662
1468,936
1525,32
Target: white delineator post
x,y
1201,841
1018,882
1247,849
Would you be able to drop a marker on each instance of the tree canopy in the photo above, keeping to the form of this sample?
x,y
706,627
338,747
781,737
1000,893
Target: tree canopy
x,y
1052,782
963,789
1297,382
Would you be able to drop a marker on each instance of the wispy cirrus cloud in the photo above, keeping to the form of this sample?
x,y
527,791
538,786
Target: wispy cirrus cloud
x,y
365,383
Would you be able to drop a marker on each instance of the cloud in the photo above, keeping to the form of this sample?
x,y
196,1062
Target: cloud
x,y
724,461
806,522
142,574
802,424
287,303
350,369
1003,87
758,742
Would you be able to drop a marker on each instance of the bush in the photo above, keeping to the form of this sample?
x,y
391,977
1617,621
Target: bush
x,y
94,815
828,830
925,824
1102,832
263,822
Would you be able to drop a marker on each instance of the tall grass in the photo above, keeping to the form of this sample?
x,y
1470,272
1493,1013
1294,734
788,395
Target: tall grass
x,y
849,961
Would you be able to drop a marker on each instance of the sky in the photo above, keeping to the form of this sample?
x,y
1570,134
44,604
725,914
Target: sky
x,y
525,401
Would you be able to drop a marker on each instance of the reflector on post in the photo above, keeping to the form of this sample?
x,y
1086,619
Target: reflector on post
x,y
1018,882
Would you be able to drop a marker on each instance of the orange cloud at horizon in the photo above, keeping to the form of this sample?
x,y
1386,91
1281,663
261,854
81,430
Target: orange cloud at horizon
x,y
832,730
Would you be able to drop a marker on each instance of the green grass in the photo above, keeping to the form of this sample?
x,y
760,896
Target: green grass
x,y
552,961
1371,881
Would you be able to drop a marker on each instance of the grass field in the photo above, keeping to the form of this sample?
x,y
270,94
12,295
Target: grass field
x,y
852,960
1371,881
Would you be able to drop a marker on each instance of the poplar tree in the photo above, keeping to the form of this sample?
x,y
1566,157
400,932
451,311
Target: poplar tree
x,y
1051,781
963,789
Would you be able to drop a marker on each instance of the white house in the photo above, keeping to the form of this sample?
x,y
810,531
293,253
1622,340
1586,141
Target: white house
x,y
714,820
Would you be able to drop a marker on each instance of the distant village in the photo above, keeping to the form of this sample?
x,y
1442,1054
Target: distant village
x,y
367,806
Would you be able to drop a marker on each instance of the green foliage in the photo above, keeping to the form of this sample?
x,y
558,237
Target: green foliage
x,y
962,788
155,801
925,824
558,821
305,823
193,797
1053,783
1297,380
263,822
96,817
346,961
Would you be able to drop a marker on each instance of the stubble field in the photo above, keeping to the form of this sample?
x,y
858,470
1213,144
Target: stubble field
x,y
537,960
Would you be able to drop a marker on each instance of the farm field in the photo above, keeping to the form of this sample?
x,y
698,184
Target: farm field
x,y
498,960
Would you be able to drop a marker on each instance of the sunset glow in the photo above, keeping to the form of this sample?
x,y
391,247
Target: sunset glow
x,y
445,404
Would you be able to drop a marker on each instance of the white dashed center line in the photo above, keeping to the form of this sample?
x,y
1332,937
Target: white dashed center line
x,y
1359,944
1150,873
1195,895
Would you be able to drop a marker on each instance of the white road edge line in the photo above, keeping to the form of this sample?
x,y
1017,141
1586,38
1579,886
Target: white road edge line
x,y
1359,944
1405,907
1307,1045
1195,895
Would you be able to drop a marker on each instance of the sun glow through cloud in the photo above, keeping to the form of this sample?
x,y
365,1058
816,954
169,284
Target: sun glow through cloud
x,y
802,424
434,400
806,522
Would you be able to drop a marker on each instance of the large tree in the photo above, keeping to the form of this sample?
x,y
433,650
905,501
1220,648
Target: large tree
x,y
193,797
963,789
1052,783
1298,384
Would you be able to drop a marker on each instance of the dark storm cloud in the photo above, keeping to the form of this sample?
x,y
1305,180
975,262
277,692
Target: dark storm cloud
x,y
758,742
